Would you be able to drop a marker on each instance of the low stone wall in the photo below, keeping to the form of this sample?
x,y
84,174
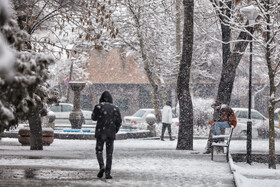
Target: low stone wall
x,y
139,135
256,157
121,136
89,136
74,136
9,134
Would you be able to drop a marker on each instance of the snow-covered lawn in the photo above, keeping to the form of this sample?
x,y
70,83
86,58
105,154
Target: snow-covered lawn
x,y
255,175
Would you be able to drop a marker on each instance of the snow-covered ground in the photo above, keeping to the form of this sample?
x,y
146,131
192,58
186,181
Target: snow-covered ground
x,y
136,162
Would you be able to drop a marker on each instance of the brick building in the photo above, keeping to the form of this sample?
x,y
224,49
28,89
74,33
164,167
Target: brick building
x,y
121,76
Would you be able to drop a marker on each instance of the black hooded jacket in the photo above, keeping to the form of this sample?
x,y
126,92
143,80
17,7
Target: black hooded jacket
x,y
108,117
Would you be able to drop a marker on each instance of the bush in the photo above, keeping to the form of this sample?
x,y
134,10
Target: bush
x,y
202,112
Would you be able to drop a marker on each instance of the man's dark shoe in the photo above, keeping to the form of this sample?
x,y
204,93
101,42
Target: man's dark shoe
x,y
100,173
162,139
172,139
108,176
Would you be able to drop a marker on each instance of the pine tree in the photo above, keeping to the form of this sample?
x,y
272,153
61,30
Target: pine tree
x,y
24,90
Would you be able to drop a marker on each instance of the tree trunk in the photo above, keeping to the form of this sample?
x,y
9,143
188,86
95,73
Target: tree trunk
x,y
70,79
229,69
185,137
271,157
178,37
226,30
155,101
155,91
271,74
163,93
226,36
153,79
178,31
36,140
228,75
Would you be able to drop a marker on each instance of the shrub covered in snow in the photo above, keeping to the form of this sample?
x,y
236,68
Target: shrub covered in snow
x,y
202,111
23,73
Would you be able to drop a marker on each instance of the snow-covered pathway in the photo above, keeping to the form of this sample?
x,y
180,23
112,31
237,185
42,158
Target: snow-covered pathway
x,y
135,163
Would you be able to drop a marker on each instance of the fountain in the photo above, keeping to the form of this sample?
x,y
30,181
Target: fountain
x,y
76,117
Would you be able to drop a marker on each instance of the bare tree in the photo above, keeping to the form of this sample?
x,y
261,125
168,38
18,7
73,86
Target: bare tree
x,y
66,29
269,39
270,32
231,62
146,27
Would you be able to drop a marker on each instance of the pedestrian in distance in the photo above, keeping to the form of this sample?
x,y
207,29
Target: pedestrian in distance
x,y
224,117
166,120
109,121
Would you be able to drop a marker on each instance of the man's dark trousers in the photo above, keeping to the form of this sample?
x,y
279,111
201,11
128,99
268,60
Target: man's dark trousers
x,y
109,153
164,126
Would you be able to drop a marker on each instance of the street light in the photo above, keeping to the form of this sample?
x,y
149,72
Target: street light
x,y
251,12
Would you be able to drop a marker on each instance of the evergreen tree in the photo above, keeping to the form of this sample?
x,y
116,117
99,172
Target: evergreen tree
x,y
24,90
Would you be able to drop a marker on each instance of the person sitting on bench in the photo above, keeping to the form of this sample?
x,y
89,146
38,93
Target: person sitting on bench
x,y
224,117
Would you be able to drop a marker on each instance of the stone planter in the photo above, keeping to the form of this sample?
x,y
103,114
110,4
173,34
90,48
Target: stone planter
x,y
24,136
151,120
48,121
76,119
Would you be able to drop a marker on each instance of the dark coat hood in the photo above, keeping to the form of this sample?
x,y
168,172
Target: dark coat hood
x,y
106,97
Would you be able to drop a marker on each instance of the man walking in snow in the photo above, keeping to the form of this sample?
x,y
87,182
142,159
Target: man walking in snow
x,y
166,120
109,121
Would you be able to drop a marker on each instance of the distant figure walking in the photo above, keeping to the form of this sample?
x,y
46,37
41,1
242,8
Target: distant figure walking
x,y
109,121
166,120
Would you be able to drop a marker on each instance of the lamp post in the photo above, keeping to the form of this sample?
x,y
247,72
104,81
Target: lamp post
x,y
251,12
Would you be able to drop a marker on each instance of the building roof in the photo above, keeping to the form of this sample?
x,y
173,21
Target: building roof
x,y
113,68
